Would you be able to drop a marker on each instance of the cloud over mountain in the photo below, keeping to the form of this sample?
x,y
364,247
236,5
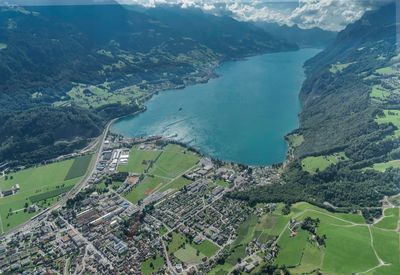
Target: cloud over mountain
x,y
327,14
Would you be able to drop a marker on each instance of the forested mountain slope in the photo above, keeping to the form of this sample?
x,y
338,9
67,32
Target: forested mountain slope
x,y
346,152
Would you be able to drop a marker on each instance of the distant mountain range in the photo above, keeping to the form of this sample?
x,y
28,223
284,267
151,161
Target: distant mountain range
x,y
314,37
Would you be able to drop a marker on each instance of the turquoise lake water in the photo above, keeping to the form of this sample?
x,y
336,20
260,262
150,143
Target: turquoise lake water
x,y
241,116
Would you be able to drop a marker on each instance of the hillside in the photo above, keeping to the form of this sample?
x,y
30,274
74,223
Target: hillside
x,y
345,152
104,58
314,37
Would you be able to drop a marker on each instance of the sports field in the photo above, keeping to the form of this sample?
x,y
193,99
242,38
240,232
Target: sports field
x,y
39,185
164,173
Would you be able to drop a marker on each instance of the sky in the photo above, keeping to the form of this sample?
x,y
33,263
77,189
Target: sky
x,y
331,15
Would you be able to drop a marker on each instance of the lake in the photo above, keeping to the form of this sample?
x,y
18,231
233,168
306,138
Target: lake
x,y
241,116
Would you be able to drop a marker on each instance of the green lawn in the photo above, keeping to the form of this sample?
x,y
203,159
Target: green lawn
x,y
189,255
390,116
177,241
174,160
383,166
315,164
151,265
222,183
139,160
42,181
206,247
145,188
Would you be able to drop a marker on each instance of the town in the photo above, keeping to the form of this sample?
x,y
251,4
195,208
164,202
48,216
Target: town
x,y
150,205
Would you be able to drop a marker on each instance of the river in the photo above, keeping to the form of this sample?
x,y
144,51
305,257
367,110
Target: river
x,y
241,116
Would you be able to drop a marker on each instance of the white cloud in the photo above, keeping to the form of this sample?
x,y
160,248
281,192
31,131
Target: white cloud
x,y
326,14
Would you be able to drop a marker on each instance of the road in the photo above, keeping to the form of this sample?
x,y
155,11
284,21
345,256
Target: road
x,y
76,189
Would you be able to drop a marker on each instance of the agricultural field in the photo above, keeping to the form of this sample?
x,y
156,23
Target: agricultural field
x,y
165,170
315,164
339,67
390,116
40,186
152,265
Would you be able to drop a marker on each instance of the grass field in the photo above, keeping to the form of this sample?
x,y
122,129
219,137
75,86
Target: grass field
x,y
385,71
349,246
152,265
206,247
189,255
139,160
390,116
390,220
44,182
339,67
378,93
78,167
145,188
173,161
295,140
315,164
383,166
165,172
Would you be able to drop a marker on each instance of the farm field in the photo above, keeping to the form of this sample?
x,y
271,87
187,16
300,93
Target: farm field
x,y
39,185
314,164
165,172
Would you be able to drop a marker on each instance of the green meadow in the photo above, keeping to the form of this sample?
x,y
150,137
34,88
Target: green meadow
x,y
385,71
379,94
339,67
315,164
393,117
39,185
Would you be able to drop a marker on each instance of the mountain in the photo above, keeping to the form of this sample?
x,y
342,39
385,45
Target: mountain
x,y
222,34
349,123
103,57
314,37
